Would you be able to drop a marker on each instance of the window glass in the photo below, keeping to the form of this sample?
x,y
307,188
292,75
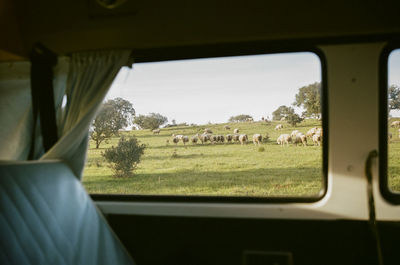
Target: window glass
x,y
394,120
231,126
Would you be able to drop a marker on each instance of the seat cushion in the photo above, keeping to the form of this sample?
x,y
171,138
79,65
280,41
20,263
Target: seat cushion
x,y
46,217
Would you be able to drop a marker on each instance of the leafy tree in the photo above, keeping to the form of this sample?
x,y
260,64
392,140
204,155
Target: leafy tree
x,y
394,97
151,121
281,112
125,111
293,118
309,97
240,118
115,114
124,158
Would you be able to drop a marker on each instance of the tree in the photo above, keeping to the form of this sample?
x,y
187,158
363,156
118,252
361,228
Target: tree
x,y
151,121
394,97
293,118
124,158
281,112
114,114
309,97
240,118
125,111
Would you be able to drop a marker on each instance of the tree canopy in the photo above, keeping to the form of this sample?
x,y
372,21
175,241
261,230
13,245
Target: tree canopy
x,y
309,98
281,112
114,114
394,97
288,113
151,121
240,118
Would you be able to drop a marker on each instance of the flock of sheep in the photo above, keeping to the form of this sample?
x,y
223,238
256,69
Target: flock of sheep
x,y
296,137
395,124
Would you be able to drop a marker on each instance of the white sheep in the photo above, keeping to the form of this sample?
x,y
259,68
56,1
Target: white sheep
x,y
284,139
243,139
300,138
207,130
175,140
278,127
236,130
294,133
235,137
257,139
395,124
229,138
317,138
156,131
185,139
311,132
195,138
204,138
226,127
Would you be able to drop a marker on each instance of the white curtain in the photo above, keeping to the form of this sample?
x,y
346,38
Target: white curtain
x,y
84,78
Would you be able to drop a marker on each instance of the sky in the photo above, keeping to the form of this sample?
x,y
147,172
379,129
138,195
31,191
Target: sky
x,y
212,90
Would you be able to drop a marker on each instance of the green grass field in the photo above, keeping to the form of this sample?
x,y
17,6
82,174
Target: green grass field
x,y
213,169
394,159
222,169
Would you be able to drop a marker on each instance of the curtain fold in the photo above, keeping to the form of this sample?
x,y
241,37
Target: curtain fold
x,y
90,76
83,79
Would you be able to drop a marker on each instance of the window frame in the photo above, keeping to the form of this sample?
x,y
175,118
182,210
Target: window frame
x,y
227,50
389,195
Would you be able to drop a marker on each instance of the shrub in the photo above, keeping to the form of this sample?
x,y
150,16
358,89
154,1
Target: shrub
x,y
124,158
261,149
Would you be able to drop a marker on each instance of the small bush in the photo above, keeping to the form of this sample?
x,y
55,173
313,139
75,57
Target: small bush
x,y
124,158
261,149
174,154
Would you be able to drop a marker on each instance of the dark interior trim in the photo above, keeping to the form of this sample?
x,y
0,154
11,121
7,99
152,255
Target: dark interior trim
x,y
143,55
388,194
255,50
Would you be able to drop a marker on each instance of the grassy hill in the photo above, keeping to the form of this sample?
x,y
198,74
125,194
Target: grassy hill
x,y
214,169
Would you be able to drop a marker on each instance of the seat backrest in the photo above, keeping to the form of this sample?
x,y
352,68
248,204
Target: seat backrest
x,y
46,217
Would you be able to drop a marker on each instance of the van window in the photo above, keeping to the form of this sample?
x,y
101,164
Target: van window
x,y
394,120
243,126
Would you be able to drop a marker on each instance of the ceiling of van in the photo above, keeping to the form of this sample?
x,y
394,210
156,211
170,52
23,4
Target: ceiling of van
x,y
73,25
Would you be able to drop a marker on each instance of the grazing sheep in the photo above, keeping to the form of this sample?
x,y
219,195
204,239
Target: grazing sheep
x,y
185,140
220,138
226,127
207,130
175,140
249,119
395,124
294,133
236,130
229,138
194,139
300,138
257,139
279,127
317,138
156,131
243,139
204,138
284,139
179,136
235,137
213,139
311,132
319,131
